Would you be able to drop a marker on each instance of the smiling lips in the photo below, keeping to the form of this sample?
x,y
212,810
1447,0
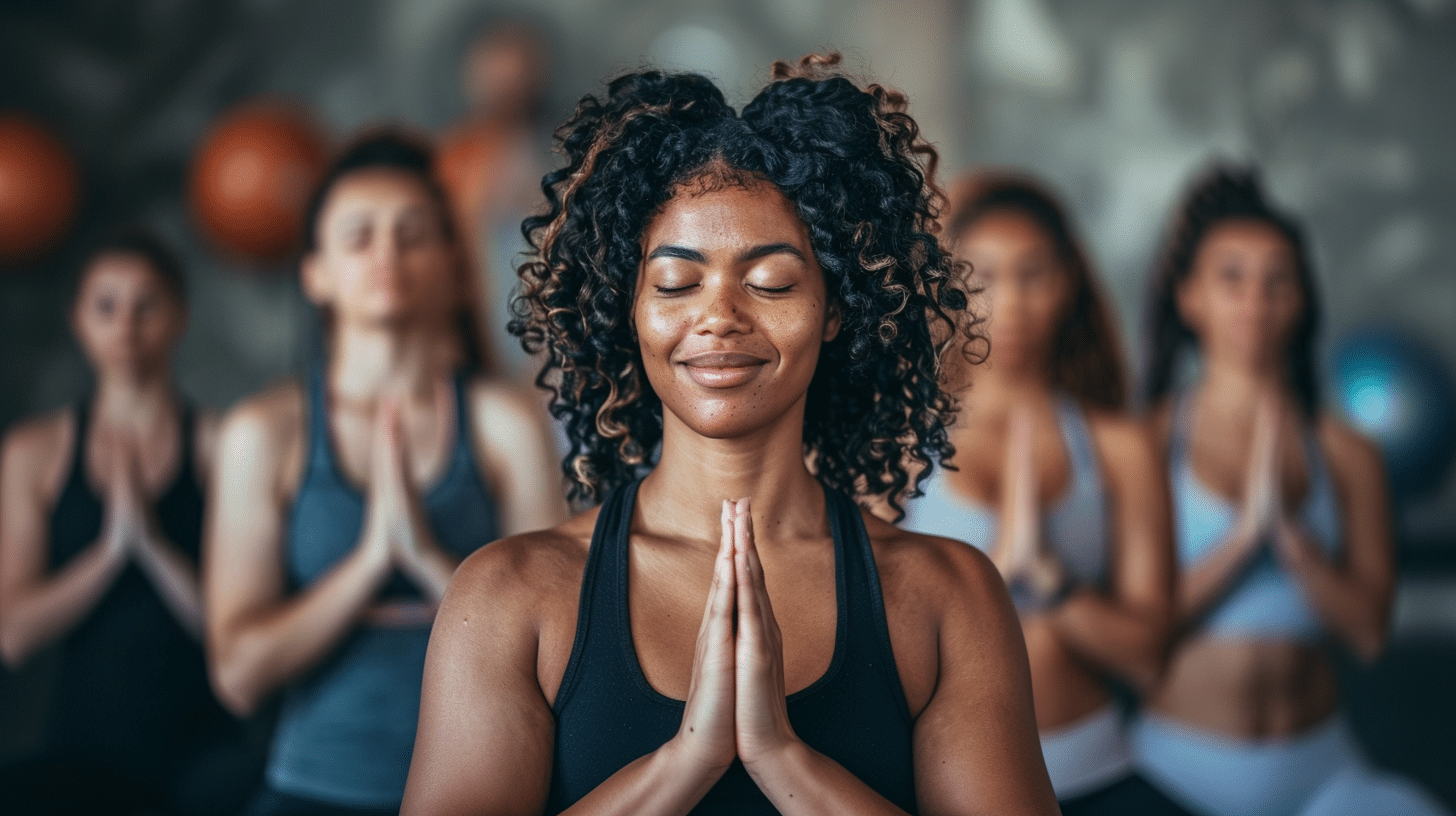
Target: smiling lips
x,y
723,369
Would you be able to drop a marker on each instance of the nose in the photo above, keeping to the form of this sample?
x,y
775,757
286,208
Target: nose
x,y
724,311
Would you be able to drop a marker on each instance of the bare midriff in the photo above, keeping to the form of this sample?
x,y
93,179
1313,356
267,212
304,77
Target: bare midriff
x,y
1248,689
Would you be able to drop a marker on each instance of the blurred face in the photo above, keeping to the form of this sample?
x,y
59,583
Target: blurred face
x,y
1242,296
1025,286
730,309
125,317
503,72
383,257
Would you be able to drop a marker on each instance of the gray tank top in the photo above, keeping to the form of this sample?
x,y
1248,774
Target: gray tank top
x,y
1075,527
347,729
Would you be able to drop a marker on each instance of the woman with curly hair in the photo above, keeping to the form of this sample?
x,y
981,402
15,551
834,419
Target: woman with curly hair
x,y
746,308
349,497
1282,524
1063,490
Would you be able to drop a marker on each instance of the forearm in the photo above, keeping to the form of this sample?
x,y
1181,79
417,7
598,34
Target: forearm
x,y
1201,587
175,578
430,567
274,645
1358,614
43,612
662,783
1117,639
802,781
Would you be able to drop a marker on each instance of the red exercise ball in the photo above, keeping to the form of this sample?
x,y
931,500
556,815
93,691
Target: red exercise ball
x,y
252,176
39,186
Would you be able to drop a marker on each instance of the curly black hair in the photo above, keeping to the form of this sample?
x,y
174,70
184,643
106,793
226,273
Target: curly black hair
x,y
1224,192
851,162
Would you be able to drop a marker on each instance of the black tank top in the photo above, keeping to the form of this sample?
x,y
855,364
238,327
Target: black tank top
x,y
608,716
131,685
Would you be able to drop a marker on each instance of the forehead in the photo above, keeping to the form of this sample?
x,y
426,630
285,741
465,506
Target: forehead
x,y
113,269
1247,237
1004,225
734,216
375,188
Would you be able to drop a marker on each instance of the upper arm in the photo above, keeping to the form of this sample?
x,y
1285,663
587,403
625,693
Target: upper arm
x,y
976,746
486,732
514,442
1358,472
242,555
1142,532
31,461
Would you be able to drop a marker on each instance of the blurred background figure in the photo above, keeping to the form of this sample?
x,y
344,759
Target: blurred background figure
x,y
351,494
1282,519
1061,489
491,163
101,509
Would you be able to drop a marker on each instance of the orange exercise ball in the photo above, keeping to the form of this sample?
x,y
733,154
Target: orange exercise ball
x,y
252,177
39,187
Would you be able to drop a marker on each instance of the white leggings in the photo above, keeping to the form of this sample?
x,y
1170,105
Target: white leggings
x,y
1088,754
1318,773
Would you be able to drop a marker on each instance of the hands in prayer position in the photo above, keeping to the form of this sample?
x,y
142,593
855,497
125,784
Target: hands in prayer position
x,y
396,533
736,700
1020,553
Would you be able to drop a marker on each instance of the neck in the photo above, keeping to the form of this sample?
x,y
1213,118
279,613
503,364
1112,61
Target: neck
x,y
994,389
1233,388
368,362
695,474
134,400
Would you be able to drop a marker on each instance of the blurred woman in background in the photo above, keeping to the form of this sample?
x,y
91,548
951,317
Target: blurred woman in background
x,y
351,496
1282,525
1061,490
101,509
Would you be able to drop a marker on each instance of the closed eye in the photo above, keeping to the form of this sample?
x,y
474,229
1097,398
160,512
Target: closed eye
x,y
674,290
772,290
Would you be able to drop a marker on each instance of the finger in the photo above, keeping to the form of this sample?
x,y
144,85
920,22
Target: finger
x,y
720,592
745,556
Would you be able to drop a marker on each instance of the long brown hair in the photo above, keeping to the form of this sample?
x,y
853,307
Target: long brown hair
x,y
1223,192
1087,354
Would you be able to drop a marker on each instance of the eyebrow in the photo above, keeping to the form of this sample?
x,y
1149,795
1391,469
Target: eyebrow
x,y
753,254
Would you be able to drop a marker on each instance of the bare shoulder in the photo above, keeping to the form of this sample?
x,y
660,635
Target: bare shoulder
x,y
932,567
496,403
272,415
261,439
527,569
37,449
1352,456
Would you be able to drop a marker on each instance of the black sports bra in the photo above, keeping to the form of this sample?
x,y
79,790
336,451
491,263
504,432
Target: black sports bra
x,y
607,715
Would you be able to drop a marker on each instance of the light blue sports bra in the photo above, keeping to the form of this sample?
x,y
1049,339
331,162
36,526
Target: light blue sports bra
x,y
1265,602
1075,527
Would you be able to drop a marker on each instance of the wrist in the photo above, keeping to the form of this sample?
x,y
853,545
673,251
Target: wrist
x,y
785,761
681,759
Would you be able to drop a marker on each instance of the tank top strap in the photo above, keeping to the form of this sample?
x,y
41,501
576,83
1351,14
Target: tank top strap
x,y
1077,436
186,449
78,445
864,631
602,589
320,452
1181,428
464,432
